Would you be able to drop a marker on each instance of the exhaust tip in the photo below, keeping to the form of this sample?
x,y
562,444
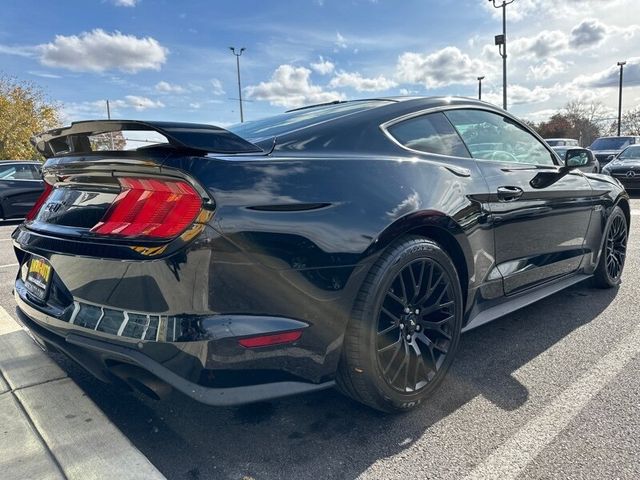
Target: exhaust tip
x,y
140,380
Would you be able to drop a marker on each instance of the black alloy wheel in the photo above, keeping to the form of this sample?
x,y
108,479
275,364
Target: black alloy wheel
x,y
616,247
614,251
415,325
405,327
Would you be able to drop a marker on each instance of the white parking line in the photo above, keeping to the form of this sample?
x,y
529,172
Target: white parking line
x,y
9,265
512,457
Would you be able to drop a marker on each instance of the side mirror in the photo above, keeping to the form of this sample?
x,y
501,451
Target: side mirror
x,y
576,157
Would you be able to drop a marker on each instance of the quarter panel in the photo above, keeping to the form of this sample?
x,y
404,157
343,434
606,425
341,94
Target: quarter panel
x,y
323,221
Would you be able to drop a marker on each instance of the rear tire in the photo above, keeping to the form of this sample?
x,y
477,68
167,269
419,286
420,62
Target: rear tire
x,y
405,328
608,274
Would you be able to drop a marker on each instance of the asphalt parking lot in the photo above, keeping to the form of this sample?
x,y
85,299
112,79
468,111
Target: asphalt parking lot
x,y
550,391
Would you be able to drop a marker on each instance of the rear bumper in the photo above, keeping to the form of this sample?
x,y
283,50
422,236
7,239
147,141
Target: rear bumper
x,y
98,355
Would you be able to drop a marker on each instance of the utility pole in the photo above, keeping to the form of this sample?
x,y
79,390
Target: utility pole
x,y
238,55
621,65
480,87
110,133
501,42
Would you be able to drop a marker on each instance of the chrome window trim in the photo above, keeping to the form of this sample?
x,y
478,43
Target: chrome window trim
x,y
384,127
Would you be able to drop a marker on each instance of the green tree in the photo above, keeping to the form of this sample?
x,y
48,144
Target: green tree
x,y
24,111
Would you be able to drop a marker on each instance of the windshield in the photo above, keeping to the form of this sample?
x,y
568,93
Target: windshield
x,y
274,126
611,143
630,153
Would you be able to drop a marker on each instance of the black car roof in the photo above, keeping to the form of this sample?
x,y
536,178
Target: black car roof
x,y
374,110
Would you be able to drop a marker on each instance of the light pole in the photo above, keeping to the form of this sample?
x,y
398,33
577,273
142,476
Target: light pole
x,y
238,55
501,42
480,87
621,65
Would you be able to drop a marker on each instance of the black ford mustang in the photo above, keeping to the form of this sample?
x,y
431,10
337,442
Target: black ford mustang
x,y
344,244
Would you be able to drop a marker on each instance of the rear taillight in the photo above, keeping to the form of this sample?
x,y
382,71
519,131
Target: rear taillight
x,y
38,205
151,208
270,339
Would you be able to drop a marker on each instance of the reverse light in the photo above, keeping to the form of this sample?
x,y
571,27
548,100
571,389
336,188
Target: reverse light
x,y
41,199
272,339
151,208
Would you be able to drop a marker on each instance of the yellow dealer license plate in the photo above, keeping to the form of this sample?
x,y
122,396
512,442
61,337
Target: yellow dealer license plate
x,y
39,277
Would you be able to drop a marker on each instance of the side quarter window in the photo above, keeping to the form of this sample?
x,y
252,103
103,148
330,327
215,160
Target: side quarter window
x,y
431,133
490,136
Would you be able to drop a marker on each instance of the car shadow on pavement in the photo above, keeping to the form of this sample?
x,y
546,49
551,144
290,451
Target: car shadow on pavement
x,y
326,435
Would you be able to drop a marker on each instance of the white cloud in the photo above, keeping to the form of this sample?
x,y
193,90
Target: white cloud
x,y
43,74
340,41
290,86
75,111
542,45
522,9
610,77
97,51
588,33
547,69
216,87
166,87
19,50
141,103
444,67
519,95
125,3
323,67
360,83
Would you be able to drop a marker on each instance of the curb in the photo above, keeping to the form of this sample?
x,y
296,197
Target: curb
x,y
50,428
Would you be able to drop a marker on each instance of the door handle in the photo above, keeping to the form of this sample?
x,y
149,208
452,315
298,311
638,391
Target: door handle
x,y
509,194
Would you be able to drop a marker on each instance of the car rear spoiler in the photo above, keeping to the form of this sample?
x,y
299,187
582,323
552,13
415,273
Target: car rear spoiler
x,y
74,139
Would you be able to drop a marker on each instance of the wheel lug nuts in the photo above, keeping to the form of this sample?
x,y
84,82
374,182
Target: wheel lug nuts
x,y
418,327
407,310
417,311
402,326
408,337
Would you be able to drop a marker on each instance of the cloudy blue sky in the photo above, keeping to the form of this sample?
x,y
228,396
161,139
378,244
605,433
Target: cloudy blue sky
x,y
165,59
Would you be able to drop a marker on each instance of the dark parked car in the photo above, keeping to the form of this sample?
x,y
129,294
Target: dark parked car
x,y
626,167
606,148
591,166
20,186
343,244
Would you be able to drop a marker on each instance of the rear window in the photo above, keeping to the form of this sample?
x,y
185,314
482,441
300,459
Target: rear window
x,y
257,130
431,133
613,143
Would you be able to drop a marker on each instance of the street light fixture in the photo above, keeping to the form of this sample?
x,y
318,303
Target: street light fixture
x,y
480,87
238,54
501,42
621,65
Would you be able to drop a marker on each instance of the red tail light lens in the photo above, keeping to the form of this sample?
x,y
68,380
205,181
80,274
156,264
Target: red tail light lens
x,y
272,339
38,205
152,208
